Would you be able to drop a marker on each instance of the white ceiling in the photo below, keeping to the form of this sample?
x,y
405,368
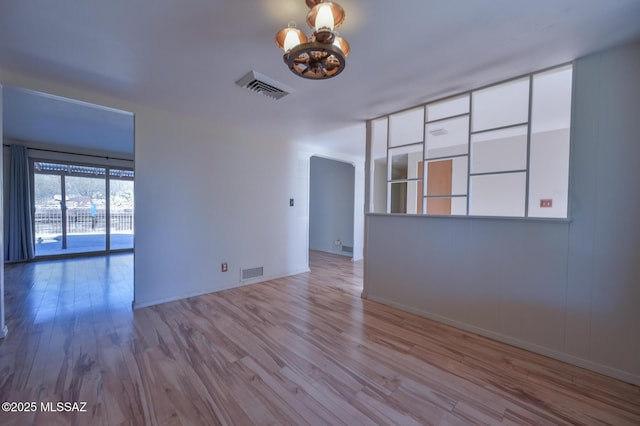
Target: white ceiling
x,y
185,56
37,117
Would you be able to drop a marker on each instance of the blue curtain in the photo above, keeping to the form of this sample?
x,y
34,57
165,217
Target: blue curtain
x,y
18,242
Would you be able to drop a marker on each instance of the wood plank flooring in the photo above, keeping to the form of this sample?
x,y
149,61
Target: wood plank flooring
x,y
299,350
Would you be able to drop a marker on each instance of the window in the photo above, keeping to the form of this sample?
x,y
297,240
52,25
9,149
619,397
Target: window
x,y
446,160
378,164
81,208
501,150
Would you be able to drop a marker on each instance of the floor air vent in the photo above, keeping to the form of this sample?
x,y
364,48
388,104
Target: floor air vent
x,y
264,85
247,274
347,249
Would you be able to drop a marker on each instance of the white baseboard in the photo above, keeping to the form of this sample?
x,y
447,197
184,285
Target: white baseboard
x,y
551,353
208,291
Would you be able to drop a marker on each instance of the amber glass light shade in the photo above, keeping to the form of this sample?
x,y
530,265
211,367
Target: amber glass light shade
x,y
290,37
342,44
325,15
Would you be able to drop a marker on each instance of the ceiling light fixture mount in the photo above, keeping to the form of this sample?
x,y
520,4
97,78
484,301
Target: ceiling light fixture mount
x,y
322,57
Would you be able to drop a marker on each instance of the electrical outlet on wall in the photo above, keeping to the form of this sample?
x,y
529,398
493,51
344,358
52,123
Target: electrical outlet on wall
x,y
224,267
546,202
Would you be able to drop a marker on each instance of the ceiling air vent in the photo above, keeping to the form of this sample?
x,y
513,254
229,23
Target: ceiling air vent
x,y
439,132
263,85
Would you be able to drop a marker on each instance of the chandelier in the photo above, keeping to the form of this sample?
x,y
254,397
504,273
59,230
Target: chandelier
x,y
322,57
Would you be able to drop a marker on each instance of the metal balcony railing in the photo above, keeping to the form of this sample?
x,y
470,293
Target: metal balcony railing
x,y
48,221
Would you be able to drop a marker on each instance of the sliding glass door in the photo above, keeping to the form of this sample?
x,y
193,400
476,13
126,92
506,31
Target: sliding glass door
x,y
47,215
121,209
85,212
72,213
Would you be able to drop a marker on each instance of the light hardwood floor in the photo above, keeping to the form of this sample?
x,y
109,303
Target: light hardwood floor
x,y
299,350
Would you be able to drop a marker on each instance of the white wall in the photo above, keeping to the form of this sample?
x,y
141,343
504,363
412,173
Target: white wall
x,y
205,194
604,243
331,205
567,289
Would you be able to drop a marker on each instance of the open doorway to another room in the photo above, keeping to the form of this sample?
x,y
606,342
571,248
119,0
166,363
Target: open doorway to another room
x,y
331,206
75,188
68,169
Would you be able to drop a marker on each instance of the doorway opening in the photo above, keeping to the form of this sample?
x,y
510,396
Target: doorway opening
x,y
331,206
84,154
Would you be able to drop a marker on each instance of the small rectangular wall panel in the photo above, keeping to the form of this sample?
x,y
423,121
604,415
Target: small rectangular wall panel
x,y
439,175
378,166
379,138
549,175
499,151
448,108
406,127
447,137
550,136
503,105
403,162
498,195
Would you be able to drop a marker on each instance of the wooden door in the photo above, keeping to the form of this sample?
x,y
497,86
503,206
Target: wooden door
x,y
439,177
